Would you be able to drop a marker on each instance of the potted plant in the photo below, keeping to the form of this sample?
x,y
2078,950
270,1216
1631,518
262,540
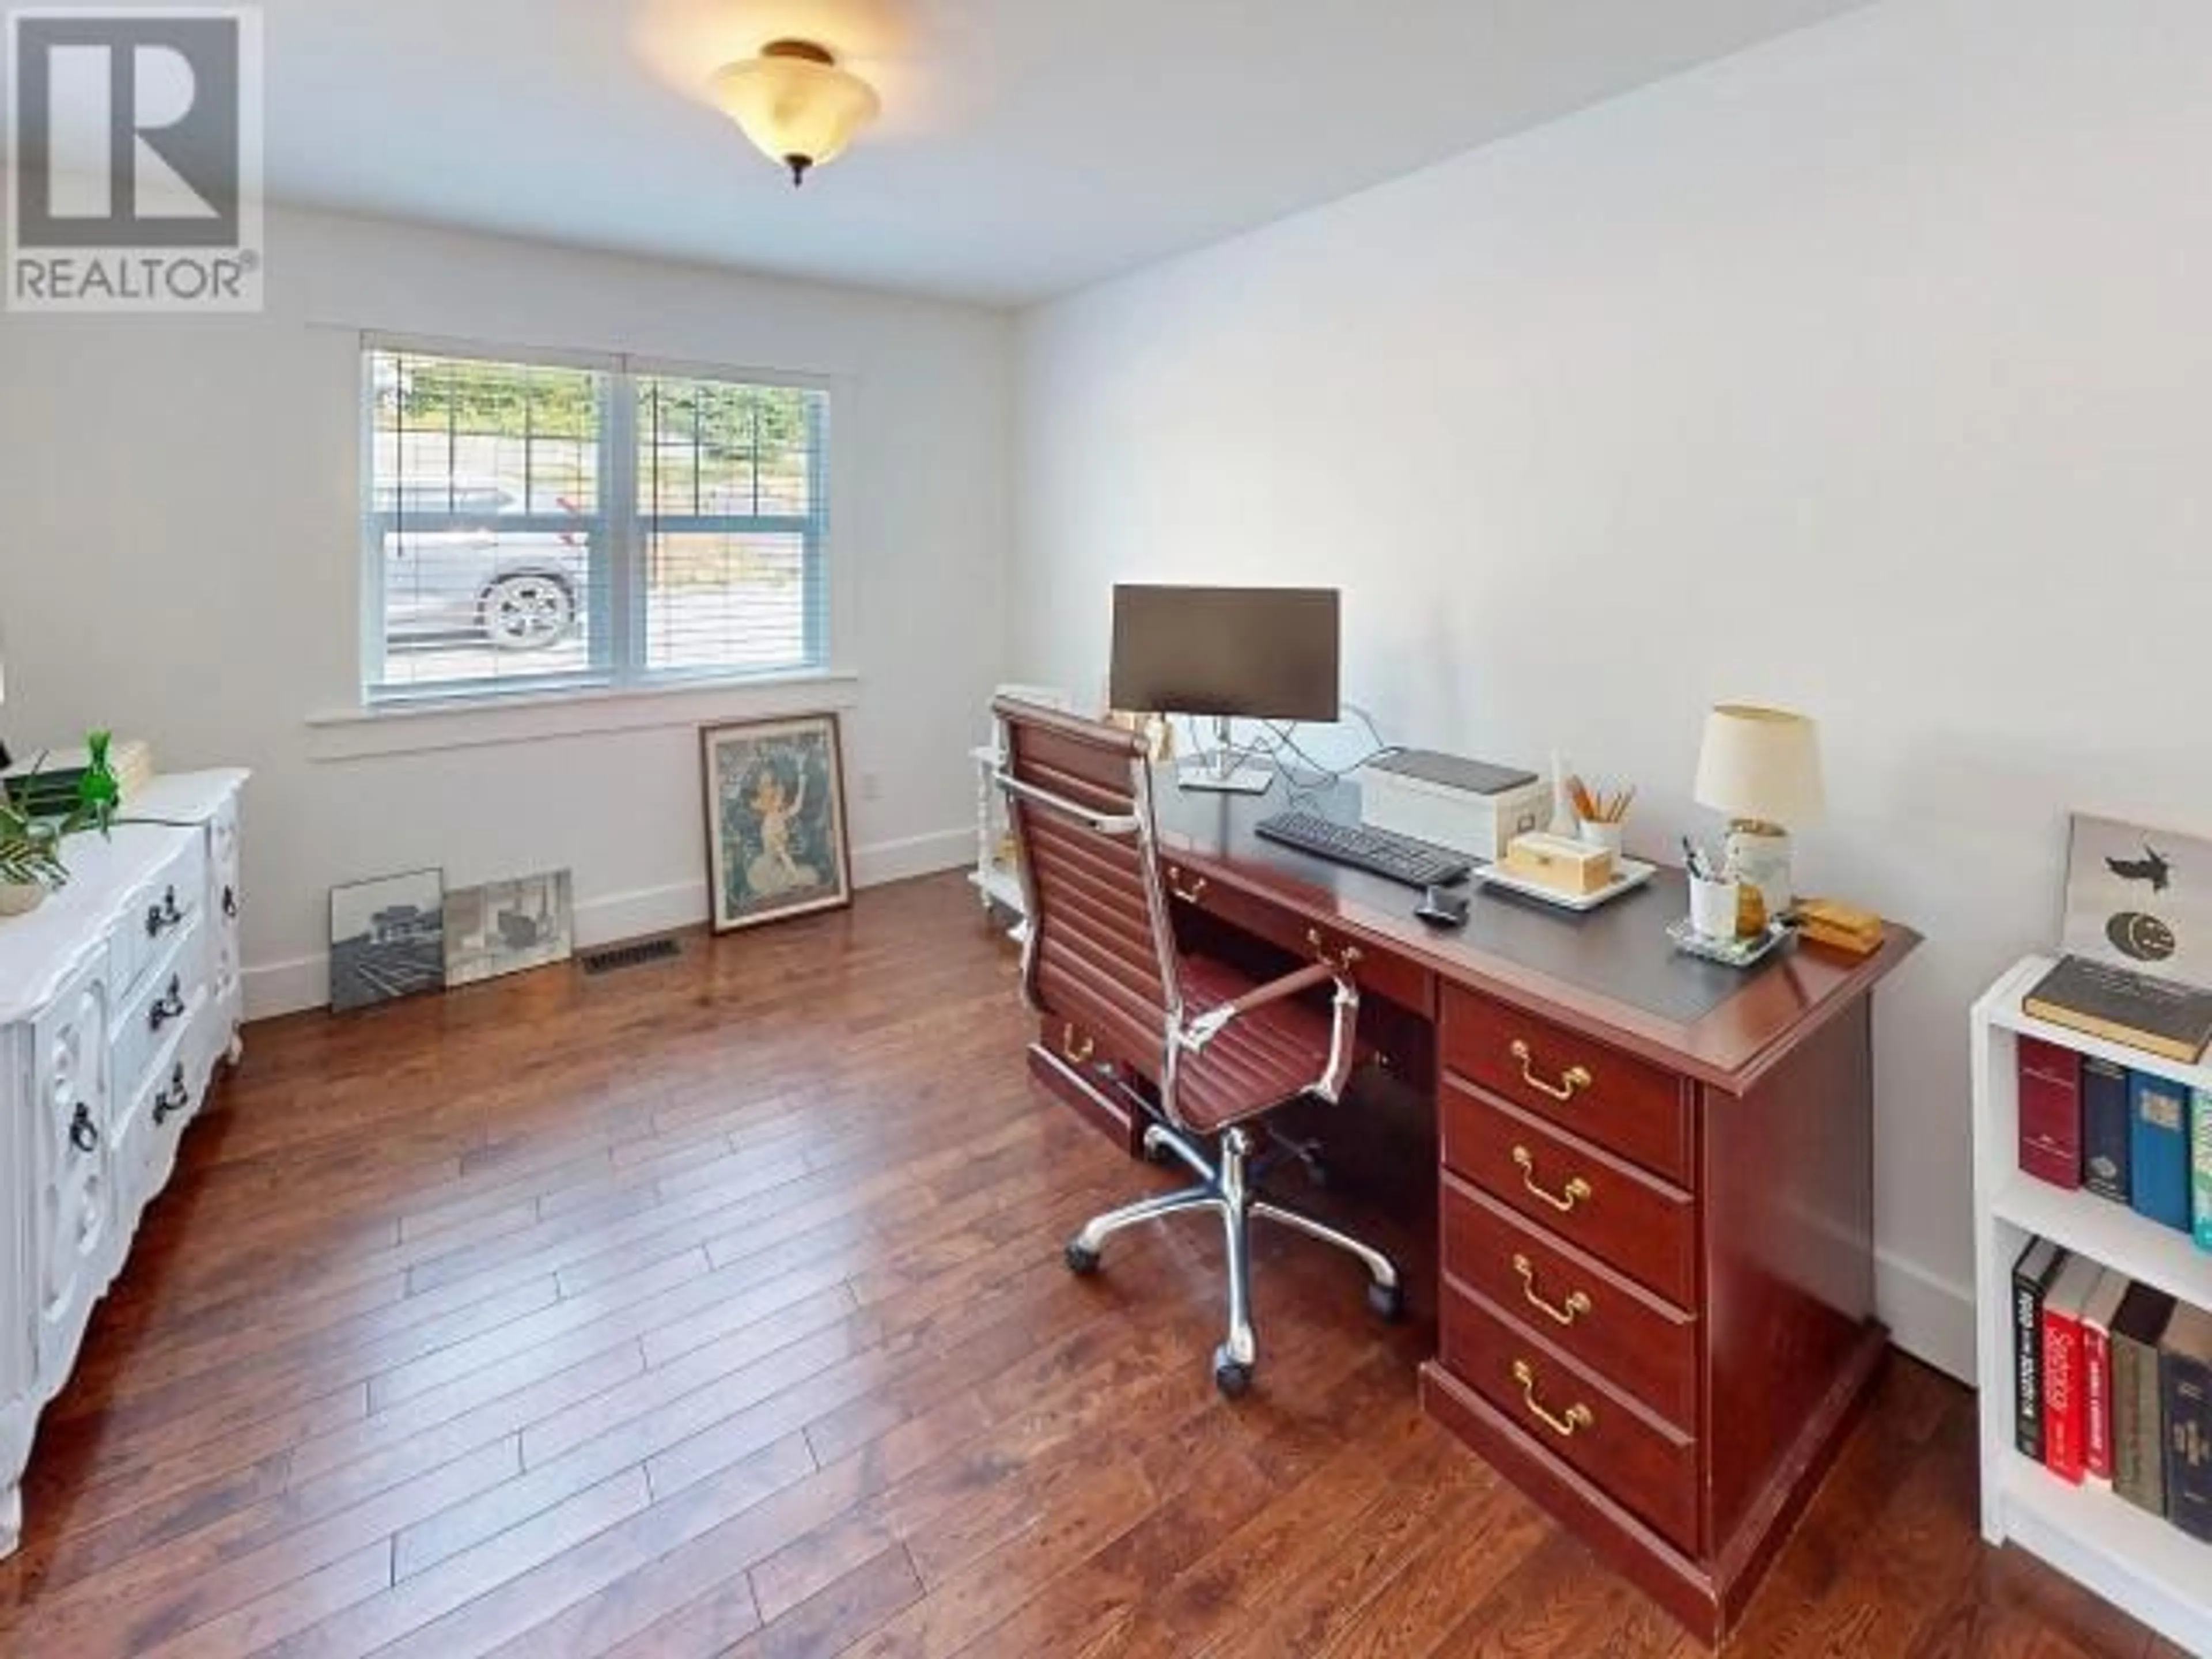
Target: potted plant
x,y
31,864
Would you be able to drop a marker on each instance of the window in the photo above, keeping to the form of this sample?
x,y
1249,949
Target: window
x,y
542,526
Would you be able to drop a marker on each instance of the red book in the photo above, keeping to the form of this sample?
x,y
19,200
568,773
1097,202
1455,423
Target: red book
x,y
2065,1392
2097,1314
2050,1112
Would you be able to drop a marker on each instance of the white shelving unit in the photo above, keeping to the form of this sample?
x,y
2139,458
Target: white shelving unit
x,y
996,883
994,879
2137,1561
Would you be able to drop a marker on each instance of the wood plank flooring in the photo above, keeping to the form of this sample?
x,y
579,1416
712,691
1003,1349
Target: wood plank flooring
x,y
714,1307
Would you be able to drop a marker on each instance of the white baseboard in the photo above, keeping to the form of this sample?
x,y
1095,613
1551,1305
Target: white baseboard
x,y
1929,1316
287,987
915,855
645,910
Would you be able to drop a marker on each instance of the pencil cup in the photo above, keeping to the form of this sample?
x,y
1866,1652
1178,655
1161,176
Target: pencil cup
x,y
1606,836
1712,908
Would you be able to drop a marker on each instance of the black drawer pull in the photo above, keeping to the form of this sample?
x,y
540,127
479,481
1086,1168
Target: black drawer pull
x,y
169,1005
229,903
172,1099
84,1134
163,916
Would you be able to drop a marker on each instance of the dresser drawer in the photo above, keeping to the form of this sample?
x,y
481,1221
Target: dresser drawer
x,y
1646,1349
1592,1200
1622,1103
169,994
174,1093
162,908
1383,974
1647,1468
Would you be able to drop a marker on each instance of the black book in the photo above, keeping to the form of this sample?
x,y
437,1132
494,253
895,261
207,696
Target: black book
x,y
2156,1015
2032,1274
2105,1129
2184,1370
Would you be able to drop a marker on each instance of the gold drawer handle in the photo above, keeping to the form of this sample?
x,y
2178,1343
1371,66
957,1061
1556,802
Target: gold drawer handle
x,y
1068,1047
1190,893
1342,959
1578,1416
1577,1189
1576,1306
1574,1078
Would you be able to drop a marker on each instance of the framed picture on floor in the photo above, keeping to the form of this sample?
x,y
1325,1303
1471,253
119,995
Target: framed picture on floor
x,y
507,927
776,820
387,938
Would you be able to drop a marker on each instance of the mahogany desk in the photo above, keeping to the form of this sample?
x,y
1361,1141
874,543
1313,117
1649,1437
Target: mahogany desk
x,y
1655,1312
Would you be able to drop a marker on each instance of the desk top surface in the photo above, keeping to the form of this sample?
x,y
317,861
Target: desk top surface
x,y
1613,967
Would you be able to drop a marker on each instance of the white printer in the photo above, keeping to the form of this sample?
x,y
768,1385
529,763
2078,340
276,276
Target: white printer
x,y
1468,806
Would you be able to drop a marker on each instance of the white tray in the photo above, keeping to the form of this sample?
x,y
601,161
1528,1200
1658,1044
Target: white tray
x,y
1628,874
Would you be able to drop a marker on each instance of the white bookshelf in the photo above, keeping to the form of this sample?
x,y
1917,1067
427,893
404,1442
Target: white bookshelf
x,y
2137,1561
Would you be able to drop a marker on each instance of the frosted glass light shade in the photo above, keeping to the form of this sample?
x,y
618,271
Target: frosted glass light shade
x,y
1761,765
795,104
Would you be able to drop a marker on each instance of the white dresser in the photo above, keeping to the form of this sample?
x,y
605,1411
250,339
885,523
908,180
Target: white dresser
x,y
117,996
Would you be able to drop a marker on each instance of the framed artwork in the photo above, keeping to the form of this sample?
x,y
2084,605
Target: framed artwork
x,y
506,926
776,820
2139,899
387,938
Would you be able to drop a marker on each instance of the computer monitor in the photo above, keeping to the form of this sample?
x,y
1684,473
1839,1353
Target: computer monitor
x,y
1263,653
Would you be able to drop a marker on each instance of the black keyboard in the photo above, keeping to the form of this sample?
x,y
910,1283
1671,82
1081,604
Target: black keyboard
x,y
1399,858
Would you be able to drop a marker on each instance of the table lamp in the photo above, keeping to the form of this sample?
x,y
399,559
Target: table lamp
x,y
1762,767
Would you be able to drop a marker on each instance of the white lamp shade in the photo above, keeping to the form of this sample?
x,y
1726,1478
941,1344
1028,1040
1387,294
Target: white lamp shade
x,y
798,110
1761,765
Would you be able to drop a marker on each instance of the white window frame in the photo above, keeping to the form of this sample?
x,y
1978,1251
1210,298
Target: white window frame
x,y
620,674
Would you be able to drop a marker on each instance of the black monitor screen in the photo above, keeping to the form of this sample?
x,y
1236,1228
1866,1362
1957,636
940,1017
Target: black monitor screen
x,y
1264,652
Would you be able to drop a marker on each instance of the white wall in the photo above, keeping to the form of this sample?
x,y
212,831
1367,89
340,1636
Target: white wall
x,y
180,559
1868,373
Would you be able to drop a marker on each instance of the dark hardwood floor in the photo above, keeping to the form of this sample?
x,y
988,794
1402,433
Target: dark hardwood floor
x,y
715,1307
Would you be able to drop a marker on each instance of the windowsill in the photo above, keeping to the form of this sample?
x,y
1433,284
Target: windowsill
x,y
406,727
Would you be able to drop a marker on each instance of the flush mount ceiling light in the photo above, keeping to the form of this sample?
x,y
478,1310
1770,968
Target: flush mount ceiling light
x,y
795,103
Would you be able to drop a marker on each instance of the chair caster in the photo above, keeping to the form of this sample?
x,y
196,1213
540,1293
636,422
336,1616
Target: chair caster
x,y
1081,1262
1230,1376
1386,1302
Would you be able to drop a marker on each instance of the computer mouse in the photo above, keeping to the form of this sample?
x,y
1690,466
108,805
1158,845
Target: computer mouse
x,y
1440,907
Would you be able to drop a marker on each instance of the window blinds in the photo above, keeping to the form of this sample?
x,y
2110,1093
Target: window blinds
x,y
542,524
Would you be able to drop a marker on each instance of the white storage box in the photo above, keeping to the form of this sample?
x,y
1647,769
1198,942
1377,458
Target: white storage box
x,y
1467,805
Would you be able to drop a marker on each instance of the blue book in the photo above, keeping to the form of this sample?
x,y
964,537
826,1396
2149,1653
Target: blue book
x,y
2105,1131
2158,1149
2200,1166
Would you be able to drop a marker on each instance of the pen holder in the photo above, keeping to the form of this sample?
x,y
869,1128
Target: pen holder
x,y
1606,836
1713,907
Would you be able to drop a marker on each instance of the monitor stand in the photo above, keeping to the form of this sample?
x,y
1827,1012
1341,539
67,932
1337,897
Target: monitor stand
x,y
1218,773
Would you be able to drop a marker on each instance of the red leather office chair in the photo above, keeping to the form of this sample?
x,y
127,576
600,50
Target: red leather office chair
x,y
1220,1048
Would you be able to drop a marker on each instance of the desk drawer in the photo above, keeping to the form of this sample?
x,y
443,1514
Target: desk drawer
x,y
1068,1058
1644,1347
1645,1467
1604,1096
1583,1195
1381,973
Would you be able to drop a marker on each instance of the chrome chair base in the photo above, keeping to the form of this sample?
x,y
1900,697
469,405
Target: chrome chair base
x,y
1224,1188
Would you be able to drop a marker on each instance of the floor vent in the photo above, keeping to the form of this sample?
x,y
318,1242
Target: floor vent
x,y
630,956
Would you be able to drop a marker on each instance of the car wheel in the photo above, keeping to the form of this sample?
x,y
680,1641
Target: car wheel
x,y
527,613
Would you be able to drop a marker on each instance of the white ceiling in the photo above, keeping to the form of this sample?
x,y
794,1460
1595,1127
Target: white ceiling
x,y
1027,148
